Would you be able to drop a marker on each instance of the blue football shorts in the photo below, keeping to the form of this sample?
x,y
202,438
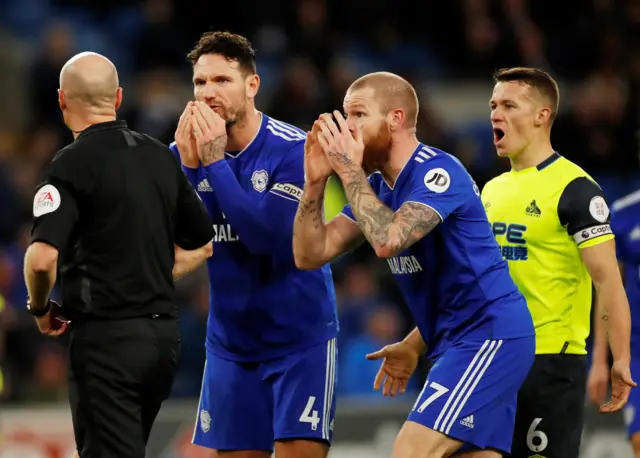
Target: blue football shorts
x,y
471,392
248,406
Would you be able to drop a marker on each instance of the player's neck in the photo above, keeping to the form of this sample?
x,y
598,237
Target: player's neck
x,y
243,132
531,156
401,152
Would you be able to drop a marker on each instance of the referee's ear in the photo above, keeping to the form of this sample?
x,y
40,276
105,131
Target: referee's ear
x,y
118,98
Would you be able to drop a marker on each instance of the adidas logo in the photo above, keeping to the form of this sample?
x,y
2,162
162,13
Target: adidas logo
x,y
204,186
467,421
533,209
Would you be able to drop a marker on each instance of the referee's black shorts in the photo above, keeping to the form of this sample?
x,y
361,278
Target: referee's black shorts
x,y
120,372
550,408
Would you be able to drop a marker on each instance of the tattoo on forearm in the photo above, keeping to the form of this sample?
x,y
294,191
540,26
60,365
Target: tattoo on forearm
x,y
311,208
382,226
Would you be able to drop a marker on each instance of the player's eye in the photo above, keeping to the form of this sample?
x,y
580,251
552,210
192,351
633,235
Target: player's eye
x,y
198,82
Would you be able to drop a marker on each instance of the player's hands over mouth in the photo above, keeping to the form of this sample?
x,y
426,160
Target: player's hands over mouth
x,y
598,382
210,132
399,362
621,384
185,141
316,165
52,324
343,149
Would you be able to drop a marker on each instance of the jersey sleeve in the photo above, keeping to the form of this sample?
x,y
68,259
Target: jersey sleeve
x,y
193,226
583,210
441,184
265,226
191,174
55,204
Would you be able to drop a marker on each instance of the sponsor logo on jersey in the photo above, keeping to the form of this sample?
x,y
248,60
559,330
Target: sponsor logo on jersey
x,y
467,421
437,180
204,186
46,200
400,265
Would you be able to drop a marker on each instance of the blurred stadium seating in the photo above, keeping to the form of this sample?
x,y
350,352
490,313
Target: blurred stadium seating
x,y
309,51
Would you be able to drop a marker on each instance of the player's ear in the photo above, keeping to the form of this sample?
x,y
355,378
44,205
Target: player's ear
x,y
396,118
253,84
542,116
118,98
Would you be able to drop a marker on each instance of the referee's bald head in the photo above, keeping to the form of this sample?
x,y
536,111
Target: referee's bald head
x,y
89,84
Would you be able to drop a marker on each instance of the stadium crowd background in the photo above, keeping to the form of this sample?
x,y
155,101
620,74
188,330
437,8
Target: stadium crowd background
x,y
309,51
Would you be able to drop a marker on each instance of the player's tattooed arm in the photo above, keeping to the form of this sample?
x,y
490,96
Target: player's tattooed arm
x,y
388,232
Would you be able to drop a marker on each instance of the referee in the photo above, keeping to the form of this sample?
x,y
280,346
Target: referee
x,y
117,216
552,222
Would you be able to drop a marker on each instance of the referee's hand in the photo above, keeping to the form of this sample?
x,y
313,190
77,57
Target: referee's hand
x,y
52,324
621,384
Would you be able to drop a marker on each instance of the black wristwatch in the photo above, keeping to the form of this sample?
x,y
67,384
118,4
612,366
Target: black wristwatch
x,y
39,312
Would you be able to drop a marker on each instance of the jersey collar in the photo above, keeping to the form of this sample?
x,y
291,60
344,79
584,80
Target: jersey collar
x,y
548,161
117,124
404,167
254,142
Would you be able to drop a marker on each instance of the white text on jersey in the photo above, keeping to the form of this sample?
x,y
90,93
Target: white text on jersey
x,y
404,265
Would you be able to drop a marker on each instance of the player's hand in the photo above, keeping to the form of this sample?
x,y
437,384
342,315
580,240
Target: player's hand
x,y
210,131
52,324
343,149
399,362
598,382
316,165
185,141
621,384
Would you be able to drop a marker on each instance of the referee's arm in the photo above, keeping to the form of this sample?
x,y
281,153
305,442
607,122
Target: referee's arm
x,y
194,231
584,211
55,213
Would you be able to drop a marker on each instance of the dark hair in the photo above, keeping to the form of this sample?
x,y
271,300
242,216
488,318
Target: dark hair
x,y
227,44
538,79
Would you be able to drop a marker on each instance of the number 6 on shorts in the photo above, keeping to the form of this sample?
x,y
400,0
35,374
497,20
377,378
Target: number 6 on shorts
x,y
533,433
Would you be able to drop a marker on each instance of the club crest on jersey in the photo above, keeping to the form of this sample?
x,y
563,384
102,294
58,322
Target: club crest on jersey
x,y
259,180
437,180
599,209
46,200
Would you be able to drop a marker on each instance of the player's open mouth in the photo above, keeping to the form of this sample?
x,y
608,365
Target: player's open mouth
x,y
498,135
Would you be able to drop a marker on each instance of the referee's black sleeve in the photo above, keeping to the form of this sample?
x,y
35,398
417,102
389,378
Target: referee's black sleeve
x,y
194,228
55,207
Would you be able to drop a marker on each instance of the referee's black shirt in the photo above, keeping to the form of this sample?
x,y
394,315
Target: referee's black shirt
x,y
113,203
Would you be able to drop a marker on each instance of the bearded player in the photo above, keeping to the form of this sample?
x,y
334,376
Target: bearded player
x,y
270,370
421,211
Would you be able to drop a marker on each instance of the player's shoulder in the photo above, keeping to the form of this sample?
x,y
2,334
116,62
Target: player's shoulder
x,y
433,165
281,135
628,204
569,175
429,157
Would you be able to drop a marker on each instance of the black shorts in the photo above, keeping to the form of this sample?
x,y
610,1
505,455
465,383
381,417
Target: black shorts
x,y
550,408
120,372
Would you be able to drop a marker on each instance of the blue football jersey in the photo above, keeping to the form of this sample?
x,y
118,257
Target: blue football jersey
x,y
625,223
454,280
261,305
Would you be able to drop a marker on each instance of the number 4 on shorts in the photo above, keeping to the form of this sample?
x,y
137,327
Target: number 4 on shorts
x,y
309,415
